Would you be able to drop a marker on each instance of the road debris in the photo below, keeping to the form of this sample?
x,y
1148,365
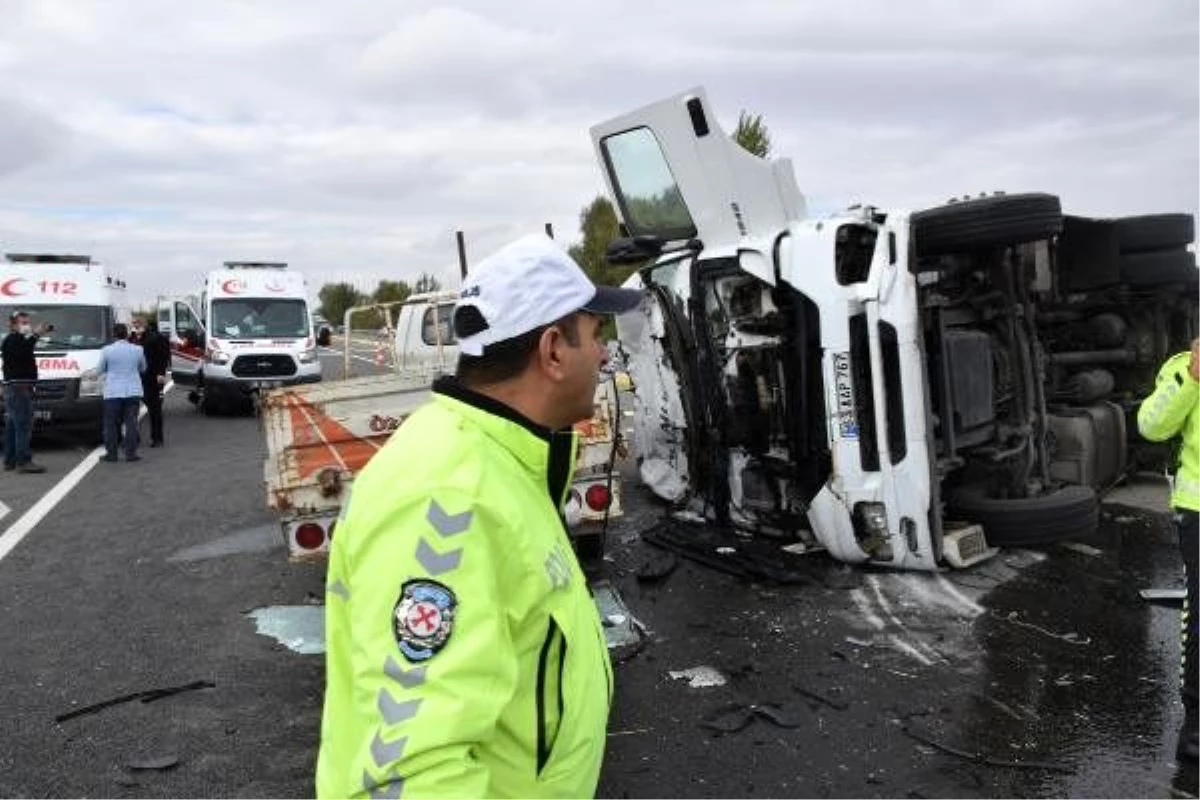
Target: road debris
x,y
1085,549
147,696
701,677
836,705
712,546
156,763
300,629
979,758
656,565
1166,596
736,717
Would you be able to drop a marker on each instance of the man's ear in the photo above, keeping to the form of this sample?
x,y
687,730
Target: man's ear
x,y
549,353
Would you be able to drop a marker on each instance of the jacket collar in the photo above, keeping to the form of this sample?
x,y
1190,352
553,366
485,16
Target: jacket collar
x,y
541,450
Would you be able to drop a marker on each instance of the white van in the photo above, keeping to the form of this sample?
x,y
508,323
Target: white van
x,y
79,297
251,329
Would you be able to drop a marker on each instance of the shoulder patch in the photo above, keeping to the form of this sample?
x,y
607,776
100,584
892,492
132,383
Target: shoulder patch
x,y
423,619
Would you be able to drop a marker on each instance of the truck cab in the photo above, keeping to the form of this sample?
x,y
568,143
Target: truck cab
x,y
905,389
249,330
82,300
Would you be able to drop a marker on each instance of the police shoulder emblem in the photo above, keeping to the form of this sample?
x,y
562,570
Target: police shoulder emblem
x,y
423,619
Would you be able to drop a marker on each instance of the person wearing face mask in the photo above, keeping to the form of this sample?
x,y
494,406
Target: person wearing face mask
x,y
20,378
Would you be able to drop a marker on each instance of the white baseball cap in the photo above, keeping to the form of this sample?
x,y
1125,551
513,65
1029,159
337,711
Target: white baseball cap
x,y
530,283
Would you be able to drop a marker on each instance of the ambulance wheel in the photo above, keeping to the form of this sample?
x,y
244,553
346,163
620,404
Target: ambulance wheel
x,y
986,222
1071,512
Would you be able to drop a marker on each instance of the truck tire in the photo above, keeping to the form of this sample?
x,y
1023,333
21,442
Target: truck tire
x,y
1068,513
987,222
1155,232
1157,268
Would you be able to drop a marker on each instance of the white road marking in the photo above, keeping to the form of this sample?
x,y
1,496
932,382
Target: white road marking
x,y
21,528
30,519
4,510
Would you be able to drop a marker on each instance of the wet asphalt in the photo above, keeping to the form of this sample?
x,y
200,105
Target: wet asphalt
x,y
1041,673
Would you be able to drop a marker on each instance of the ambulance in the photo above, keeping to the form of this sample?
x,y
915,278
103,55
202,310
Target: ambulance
x,y
250,329
82,300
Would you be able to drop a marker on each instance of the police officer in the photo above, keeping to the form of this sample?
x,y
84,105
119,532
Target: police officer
x,y
1174,410
465,656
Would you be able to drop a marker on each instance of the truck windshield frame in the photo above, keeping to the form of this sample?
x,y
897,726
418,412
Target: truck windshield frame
x,y
649,196
76,327
260,318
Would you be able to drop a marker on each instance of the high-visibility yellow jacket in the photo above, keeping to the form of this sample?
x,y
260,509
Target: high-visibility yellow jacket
x,y
465,655
1174,410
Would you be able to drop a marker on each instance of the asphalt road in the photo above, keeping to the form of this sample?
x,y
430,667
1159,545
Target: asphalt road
x,y
1045,663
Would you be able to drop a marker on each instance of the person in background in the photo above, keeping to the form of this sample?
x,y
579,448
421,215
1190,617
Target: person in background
x,y
1173,410
122,364
157,351
20,379
136,331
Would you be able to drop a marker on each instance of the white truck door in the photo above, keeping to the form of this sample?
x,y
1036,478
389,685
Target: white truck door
x,y
676,175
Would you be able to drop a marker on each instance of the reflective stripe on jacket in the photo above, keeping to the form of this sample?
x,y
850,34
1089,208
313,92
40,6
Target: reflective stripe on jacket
x,y
1172,410
465,655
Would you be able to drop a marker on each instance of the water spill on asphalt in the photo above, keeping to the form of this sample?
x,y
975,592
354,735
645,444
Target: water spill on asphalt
x,y
251,540
301,629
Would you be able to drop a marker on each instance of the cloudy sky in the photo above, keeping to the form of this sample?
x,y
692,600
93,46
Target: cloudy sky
x,y
352,138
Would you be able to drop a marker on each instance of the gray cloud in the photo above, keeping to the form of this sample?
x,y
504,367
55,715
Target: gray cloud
x,y
355,139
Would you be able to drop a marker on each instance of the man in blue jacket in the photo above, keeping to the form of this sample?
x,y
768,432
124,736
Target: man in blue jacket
x,y
122,364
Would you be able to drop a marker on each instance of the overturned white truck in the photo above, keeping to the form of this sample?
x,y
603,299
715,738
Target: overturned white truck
x,y
905,389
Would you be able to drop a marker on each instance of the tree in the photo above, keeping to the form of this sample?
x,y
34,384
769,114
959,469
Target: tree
x,y
426,283
391,292
599,226
752,134
335,298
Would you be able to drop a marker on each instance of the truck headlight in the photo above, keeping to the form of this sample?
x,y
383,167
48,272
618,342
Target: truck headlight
x,y
217,357
91,386
307,356
870,520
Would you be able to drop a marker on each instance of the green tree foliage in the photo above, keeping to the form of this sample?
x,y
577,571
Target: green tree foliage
x,y
752,134
598,225
391,292
335,298
426,283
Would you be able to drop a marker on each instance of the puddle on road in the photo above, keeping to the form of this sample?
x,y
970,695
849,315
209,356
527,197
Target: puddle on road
x,y
300,629
250,540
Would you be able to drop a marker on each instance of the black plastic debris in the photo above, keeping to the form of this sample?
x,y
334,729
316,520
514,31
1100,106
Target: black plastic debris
x,y
736,717
719,548
155,763
147,696
656,566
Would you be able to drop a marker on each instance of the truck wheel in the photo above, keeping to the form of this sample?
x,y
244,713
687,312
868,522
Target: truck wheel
x,y
1157,268
987,222
1068,513
1155,232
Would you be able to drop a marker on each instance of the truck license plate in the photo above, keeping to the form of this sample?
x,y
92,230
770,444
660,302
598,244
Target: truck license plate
x,y
43,416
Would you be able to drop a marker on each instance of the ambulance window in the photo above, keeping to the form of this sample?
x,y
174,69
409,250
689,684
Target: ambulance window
x,y
164,317
184,320
646,189
429,335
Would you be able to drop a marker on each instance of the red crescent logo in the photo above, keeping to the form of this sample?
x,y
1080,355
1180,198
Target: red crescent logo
x,y
231,286
8,288
275,286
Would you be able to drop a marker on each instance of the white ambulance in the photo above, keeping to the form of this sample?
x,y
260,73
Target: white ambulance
x,y
82,300
250,329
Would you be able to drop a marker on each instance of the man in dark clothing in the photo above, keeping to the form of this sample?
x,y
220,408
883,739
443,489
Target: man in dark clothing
x,y
158,360
20,378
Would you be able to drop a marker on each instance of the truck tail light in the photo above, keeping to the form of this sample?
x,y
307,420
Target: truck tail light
x,y
597,497
309,536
